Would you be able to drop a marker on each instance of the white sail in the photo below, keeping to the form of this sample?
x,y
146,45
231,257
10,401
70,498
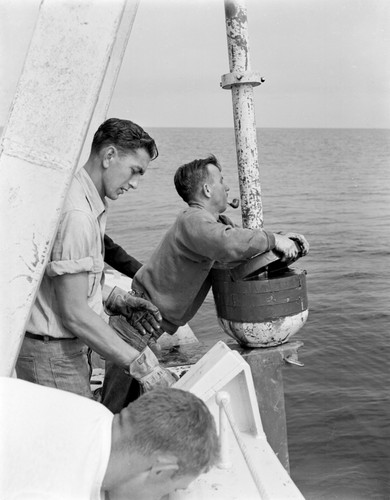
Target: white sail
x,y
70,69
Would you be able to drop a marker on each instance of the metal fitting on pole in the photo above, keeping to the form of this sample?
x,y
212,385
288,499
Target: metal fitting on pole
x,y
230,79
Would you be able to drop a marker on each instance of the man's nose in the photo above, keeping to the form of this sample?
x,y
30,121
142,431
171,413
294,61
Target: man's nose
x,y
133,182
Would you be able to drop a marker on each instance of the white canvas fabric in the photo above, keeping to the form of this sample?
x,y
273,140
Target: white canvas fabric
x,y
54,445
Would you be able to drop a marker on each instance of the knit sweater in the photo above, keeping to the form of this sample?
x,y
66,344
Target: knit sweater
x,y
176,277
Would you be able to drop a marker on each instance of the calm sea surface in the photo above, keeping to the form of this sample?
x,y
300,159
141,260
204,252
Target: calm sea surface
x,y
334,187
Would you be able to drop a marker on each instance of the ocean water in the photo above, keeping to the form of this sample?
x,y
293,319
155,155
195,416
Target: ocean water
x,y
332,185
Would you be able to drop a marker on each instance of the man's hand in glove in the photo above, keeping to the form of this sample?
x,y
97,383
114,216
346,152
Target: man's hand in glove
x,y
132,337
146,369
139,312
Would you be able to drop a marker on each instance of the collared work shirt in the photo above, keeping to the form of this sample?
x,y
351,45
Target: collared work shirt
x,y
78,248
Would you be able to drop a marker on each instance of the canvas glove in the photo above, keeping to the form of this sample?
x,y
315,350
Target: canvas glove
x,y
146,369
132,337
140,313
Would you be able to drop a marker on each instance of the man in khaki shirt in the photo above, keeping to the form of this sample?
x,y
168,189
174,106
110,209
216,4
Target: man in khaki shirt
x,y
66,317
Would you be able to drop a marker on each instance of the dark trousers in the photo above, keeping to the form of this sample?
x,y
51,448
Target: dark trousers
x,y
119,389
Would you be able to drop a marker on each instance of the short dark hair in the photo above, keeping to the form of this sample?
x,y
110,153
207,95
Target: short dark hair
x,y
173,421
189,177
124,135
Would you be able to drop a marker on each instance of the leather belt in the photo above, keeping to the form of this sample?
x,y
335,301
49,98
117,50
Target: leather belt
x,y
46,338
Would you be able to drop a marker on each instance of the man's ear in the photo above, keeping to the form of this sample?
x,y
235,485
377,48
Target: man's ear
x,y
108,154
206,190
164,468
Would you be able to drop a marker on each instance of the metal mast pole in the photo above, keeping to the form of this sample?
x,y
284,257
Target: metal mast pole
x,y
241,81
266,364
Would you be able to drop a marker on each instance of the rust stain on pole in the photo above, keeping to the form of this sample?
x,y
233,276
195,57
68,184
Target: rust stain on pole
x,y
241,82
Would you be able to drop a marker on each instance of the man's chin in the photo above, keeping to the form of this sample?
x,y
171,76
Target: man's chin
x,y
114,196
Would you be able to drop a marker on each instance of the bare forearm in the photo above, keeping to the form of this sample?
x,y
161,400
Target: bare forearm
x,y
100,337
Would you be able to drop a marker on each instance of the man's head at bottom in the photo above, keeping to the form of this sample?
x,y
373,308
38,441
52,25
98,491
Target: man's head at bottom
x,y
160,443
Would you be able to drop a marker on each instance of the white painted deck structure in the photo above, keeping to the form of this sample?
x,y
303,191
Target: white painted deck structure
x,y
250,469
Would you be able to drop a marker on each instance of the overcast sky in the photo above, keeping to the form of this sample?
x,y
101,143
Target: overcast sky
x,y
326,62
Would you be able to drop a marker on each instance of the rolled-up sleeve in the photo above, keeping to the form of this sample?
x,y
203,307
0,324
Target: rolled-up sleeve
x,y
75,249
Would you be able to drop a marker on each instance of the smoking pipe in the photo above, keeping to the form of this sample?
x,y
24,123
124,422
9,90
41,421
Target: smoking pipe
x,y
235,203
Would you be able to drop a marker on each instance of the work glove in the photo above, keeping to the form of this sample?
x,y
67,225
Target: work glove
x,y
140,313
131,336
146,369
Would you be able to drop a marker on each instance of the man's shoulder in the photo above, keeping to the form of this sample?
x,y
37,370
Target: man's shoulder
x,y
77,215
76,198
195,223
192,214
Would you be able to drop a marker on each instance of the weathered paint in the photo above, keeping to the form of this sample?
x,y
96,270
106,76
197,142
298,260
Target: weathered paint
x,y
267,372
266,333
273,331
241,81
58,90
109,82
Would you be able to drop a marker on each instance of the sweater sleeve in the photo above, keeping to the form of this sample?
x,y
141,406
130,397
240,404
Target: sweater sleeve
x,y
224,242
116,257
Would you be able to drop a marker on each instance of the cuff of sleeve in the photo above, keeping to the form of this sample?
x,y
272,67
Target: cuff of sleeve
x,y
271,240
60,267
110,307
143,364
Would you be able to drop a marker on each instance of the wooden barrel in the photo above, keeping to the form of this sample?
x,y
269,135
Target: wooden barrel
x,y
261,299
